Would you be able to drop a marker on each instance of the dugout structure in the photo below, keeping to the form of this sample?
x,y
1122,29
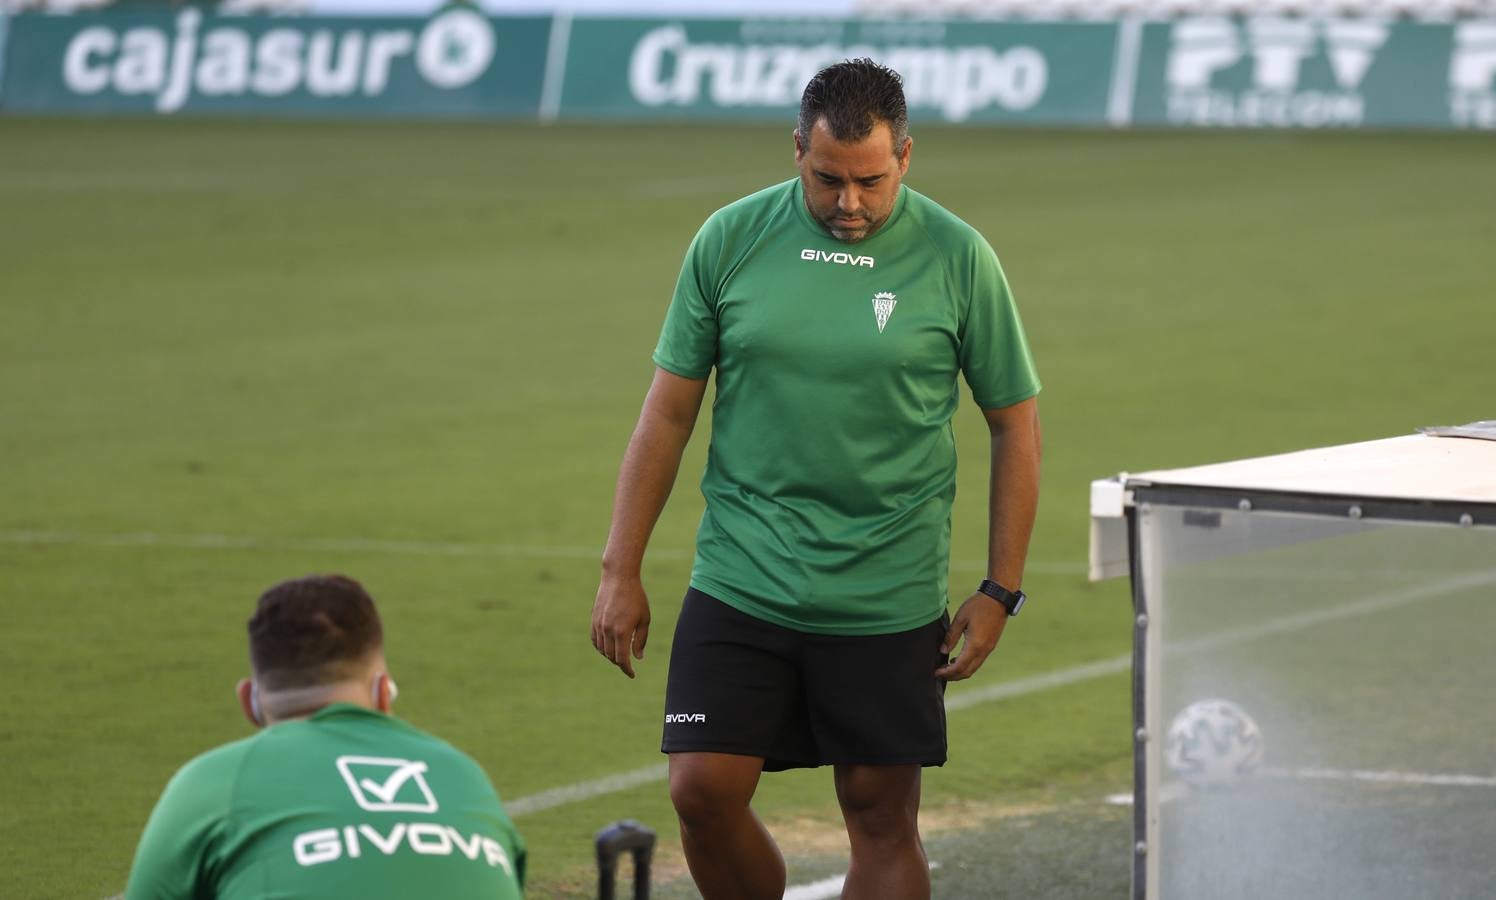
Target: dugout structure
x,y
1345,597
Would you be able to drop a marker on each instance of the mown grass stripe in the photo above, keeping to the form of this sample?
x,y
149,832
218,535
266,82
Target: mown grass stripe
x,y
378,545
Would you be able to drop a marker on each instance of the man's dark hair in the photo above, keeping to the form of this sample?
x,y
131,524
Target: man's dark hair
x,y
311,631
854,96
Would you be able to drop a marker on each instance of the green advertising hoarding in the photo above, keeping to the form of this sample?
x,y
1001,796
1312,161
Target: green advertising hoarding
x,y
756,69
456,63
1316,73
1189,72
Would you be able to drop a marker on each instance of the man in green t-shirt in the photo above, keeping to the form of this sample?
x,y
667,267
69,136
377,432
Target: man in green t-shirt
x,y
333,797
838,310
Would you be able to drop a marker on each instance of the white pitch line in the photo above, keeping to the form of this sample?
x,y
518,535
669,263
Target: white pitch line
x,y
376,545
330,545
831,887
1386,600
1417,778
1037,683
585,790
460,548
1170,792
75,181
1174,790
826,887
1033,684
817,890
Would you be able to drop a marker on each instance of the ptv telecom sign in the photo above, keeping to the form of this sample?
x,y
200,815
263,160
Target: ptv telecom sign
x,y
1254,72
1271,72
457,63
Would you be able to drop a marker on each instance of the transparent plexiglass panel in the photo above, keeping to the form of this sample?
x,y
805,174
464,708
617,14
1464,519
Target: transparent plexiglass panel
x,y
1352,753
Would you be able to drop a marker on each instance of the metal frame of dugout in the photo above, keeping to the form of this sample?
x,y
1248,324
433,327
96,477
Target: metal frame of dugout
x,y
1232,566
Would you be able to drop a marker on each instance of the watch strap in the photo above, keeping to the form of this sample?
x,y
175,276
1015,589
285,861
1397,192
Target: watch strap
x,y
1012,601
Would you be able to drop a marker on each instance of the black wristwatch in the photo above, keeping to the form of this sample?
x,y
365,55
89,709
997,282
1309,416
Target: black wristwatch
x,y
1012,601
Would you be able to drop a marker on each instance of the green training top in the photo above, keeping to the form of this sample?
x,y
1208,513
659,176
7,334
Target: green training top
x,y
832,464
346,803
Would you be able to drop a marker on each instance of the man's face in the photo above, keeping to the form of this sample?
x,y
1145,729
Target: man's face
x,y
851,186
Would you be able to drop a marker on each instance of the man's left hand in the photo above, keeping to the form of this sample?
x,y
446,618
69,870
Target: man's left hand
x,y
980,619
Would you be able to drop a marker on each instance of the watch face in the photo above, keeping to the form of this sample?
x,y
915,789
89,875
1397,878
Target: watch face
x,y
1019,599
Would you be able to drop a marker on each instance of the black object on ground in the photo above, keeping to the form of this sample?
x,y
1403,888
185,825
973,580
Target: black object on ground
x,y
620,837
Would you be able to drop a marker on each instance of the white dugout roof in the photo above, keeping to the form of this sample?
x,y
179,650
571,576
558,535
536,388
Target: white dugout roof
x,y
1413,467
1442,468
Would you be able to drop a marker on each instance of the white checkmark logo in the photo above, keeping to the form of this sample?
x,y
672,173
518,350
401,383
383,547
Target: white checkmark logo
x,y
376,791
386,792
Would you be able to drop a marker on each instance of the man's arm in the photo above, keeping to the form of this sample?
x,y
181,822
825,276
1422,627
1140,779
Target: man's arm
x,y
620,615
179,841
1013,500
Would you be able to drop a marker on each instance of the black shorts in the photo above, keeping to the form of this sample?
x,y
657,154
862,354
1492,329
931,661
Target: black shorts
x,y
739,684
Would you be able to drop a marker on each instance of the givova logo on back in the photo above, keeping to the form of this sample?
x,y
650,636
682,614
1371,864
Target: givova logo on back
x,y
325,845
386,784
451,51
1472,75
1207,52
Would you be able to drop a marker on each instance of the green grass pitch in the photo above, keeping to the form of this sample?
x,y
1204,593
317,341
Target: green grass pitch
x,y
414,353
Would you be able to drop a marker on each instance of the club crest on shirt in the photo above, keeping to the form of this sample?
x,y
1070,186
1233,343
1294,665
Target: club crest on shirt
x,y
883,304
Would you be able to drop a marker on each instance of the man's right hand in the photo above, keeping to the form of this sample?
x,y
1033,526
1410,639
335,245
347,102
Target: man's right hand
x,y
620,621
620,616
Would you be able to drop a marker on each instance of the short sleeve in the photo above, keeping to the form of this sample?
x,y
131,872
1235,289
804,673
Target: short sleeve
x,y
688,340
176,851
994,353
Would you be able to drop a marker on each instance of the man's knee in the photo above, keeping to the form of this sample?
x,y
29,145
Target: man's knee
x,y
880,806
705,789
698,800
882,825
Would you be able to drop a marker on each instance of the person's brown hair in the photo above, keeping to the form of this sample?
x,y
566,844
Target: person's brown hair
x,y
311,631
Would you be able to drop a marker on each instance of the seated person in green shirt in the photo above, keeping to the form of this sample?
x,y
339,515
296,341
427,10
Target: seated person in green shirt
x,y
333,797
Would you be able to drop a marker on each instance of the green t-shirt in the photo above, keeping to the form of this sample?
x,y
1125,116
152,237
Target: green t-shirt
x,y
832,464
345,803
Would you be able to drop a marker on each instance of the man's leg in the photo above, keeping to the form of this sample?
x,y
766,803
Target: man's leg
x,y
880,805
731,855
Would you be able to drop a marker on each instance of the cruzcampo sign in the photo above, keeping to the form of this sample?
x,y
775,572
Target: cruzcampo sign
x,y
756,68
456,63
